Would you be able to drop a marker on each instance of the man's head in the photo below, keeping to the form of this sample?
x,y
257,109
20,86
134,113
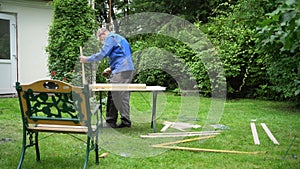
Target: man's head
x,y
102,34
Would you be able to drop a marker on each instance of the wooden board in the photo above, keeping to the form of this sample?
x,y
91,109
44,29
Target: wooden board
x,y
125,87
209,150
122,86
264,126
60,128
184,134
182,126
167,146
103,155
254,133
183,141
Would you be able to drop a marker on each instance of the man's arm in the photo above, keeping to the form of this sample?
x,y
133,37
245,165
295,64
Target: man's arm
x,y
105,51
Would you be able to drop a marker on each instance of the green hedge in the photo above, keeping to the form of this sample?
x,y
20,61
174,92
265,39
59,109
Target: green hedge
x,y
72,25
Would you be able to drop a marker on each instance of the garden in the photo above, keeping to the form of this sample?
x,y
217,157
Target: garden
x,y
230,67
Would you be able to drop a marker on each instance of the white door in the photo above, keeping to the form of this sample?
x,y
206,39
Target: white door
x,y
8,57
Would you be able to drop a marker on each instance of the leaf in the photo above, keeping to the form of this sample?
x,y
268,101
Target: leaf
x,y
297,92
290,2
297,22
286,17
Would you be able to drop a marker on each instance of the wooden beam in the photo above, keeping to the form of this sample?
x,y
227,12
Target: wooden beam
x,y
103,155
165,127
82,66
118,86
188,132
264,126
254,133
166,146
183,141
180,125
178,135
209,150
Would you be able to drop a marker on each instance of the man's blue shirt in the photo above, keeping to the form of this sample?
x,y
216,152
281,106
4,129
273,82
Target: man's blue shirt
x,y
118,50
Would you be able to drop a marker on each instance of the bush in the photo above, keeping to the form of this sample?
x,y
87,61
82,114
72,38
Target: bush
x,y
72,25
280,34
233,33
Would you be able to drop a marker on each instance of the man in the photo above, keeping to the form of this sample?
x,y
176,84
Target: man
x,y
118,50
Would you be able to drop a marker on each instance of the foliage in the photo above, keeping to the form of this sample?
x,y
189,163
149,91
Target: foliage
x,y
280,34
264,65
233,32
191,10
106,12
72,25
158,59
166,61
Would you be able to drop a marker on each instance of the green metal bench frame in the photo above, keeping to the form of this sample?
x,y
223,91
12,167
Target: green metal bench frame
x,y
58,107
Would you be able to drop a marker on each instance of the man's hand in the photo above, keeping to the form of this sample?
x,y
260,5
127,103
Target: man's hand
x,y
83,59
106,73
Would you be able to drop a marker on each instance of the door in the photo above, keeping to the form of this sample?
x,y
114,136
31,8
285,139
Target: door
x,y
8,60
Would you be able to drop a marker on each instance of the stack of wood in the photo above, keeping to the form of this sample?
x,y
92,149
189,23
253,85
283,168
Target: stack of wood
x,y
201,135
179,126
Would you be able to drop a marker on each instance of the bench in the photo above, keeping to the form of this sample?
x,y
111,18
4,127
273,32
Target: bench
x,y
57,107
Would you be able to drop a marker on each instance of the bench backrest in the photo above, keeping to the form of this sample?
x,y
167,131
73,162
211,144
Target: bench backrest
x,y
53,102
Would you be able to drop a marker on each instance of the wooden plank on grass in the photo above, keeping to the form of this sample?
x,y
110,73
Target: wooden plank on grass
x,y
181,125
208,150
165,127
185,133
254,133
103,155
264,126
177,135
183,141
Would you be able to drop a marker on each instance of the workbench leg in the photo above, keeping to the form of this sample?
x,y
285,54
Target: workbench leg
x,y
101,112
153,122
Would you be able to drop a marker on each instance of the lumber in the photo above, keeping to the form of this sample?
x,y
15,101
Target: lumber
x,y
184,133
165,127
183,141
167,146
254,133
180,125
103,155
119,86
82,66
267,130
209,150
178,135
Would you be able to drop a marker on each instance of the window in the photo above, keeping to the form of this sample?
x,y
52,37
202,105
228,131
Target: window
x,y
4,39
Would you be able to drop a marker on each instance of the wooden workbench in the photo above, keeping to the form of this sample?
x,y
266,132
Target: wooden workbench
x,y
103,87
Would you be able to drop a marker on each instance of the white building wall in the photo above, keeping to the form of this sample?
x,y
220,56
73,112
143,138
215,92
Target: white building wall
x,y
33,23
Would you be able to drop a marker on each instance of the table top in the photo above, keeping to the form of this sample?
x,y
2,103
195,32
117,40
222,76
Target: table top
x,y
125,87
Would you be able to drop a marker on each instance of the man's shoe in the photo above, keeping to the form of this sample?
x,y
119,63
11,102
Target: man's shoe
x,y
122,125
109,125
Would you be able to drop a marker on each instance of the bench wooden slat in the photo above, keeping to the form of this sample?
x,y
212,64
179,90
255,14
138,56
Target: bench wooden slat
x,y
61,128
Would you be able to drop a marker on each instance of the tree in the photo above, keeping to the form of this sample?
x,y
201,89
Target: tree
x,y
280,34
191,10
233,32
106,11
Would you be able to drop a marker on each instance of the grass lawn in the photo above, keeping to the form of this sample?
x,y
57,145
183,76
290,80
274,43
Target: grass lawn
x,y
127,150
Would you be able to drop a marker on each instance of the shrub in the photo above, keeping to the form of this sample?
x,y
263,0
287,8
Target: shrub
x,y
73,24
